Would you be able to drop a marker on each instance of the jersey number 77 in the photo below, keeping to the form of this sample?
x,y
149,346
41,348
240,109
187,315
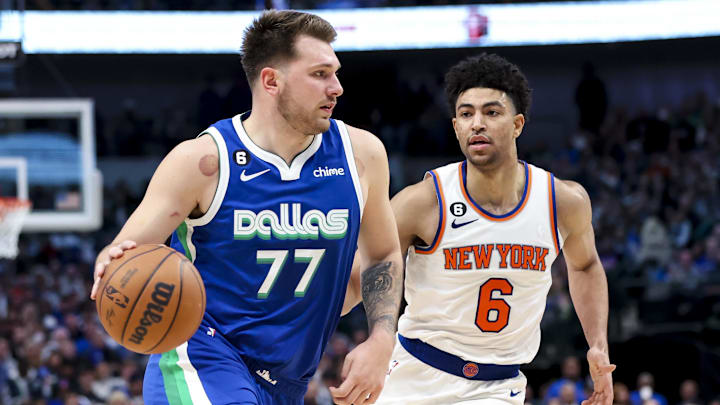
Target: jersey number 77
x,y
276,259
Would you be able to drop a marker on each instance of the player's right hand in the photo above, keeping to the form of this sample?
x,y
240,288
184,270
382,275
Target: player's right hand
x,y
601,374
103,260
364,371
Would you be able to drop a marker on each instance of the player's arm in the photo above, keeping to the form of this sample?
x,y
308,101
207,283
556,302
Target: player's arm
x,y
587,282
179,186
415,209
416,213
381,278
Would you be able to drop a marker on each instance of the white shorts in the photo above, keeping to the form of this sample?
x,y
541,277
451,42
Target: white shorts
x,y
412,382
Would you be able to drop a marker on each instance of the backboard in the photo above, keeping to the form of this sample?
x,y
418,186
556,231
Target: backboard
x,y
55,139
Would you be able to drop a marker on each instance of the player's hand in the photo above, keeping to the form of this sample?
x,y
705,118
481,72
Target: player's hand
x,y
113,253
364,371
601,374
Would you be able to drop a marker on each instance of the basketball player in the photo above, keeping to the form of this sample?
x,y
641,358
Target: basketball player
x,y
480,237
268,206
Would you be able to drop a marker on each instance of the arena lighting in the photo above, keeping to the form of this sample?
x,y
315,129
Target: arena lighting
x,y
370,28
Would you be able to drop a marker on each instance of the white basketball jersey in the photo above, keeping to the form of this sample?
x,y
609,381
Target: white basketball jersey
x,y
479,290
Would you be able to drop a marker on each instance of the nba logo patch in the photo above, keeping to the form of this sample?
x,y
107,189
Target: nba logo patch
x,y
470,370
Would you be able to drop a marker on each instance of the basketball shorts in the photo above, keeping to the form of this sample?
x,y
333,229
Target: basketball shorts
x,y
410,381
207,369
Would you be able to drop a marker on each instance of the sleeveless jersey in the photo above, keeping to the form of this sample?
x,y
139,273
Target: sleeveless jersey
x,y
276,247
479,291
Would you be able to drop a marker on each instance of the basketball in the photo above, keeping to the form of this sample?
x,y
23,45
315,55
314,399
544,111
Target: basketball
x,y
151,299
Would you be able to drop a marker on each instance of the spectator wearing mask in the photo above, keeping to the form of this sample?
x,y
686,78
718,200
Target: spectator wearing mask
x,y
646,391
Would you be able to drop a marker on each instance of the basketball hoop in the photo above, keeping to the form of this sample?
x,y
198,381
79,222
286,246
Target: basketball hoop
x,y
12,213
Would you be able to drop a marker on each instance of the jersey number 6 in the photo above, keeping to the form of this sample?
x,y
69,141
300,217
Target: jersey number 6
x,y
488,306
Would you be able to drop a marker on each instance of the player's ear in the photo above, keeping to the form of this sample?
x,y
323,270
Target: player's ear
x,y
519,123
454,124
269,80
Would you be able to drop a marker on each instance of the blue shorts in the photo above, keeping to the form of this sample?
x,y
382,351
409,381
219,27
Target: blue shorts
x,y
209,370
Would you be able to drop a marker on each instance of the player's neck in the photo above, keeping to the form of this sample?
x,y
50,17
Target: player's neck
x,y
499,189
275,135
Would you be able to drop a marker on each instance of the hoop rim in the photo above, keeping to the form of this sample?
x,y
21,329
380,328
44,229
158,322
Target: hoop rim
x,y
13,212
14,203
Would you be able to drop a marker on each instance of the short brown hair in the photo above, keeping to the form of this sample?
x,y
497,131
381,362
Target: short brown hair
x,y
271,38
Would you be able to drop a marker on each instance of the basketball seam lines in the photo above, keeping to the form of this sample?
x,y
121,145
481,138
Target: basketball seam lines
x,y
122,336
100,290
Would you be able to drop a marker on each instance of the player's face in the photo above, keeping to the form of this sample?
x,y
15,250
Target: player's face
x,y
486,125
311,88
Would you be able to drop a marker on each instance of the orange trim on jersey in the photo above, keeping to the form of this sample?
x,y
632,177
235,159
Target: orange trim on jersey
x,y
551,205
487,215
441,223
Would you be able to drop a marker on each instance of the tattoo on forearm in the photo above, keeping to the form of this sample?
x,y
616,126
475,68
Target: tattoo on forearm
x,y
381,295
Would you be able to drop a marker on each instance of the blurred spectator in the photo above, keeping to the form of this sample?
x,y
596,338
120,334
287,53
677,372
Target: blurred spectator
x,y
118,398
209,104
646,391
682,270
570,388
568,394
655,244
591,99
84,386
136,384
621,394
105,383
689,393
8,371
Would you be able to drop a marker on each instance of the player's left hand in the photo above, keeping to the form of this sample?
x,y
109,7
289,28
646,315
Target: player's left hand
x,y
601,374
364,371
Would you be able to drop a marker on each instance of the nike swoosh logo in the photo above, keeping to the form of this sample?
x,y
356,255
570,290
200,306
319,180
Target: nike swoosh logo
x,y
514,394
245,177
454,225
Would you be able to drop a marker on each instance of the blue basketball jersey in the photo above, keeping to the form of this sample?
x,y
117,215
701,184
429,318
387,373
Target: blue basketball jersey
x,y
276,247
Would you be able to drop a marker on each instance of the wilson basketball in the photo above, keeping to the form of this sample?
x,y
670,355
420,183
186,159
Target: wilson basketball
x,y
151,300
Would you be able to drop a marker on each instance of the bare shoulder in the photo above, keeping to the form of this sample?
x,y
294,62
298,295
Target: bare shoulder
x,y
416,213
418,198
190,165
573,205
197,156
195,149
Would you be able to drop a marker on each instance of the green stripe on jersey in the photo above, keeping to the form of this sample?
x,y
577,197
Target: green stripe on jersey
x,y
176,388
182,233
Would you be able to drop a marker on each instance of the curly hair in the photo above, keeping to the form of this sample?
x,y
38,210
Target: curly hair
x,y
271,38
489,71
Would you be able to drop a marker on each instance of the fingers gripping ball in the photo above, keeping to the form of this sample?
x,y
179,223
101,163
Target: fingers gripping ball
x,y
151,300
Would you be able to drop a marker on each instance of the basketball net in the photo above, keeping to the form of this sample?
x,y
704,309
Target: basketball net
x,y
12,213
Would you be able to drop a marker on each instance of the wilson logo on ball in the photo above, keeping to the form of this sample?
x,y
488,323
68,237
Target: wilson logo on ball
x,y
153,313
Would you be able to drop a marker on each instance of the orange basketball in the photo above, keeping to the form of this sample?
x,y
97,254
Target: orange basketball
x,y
151,300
